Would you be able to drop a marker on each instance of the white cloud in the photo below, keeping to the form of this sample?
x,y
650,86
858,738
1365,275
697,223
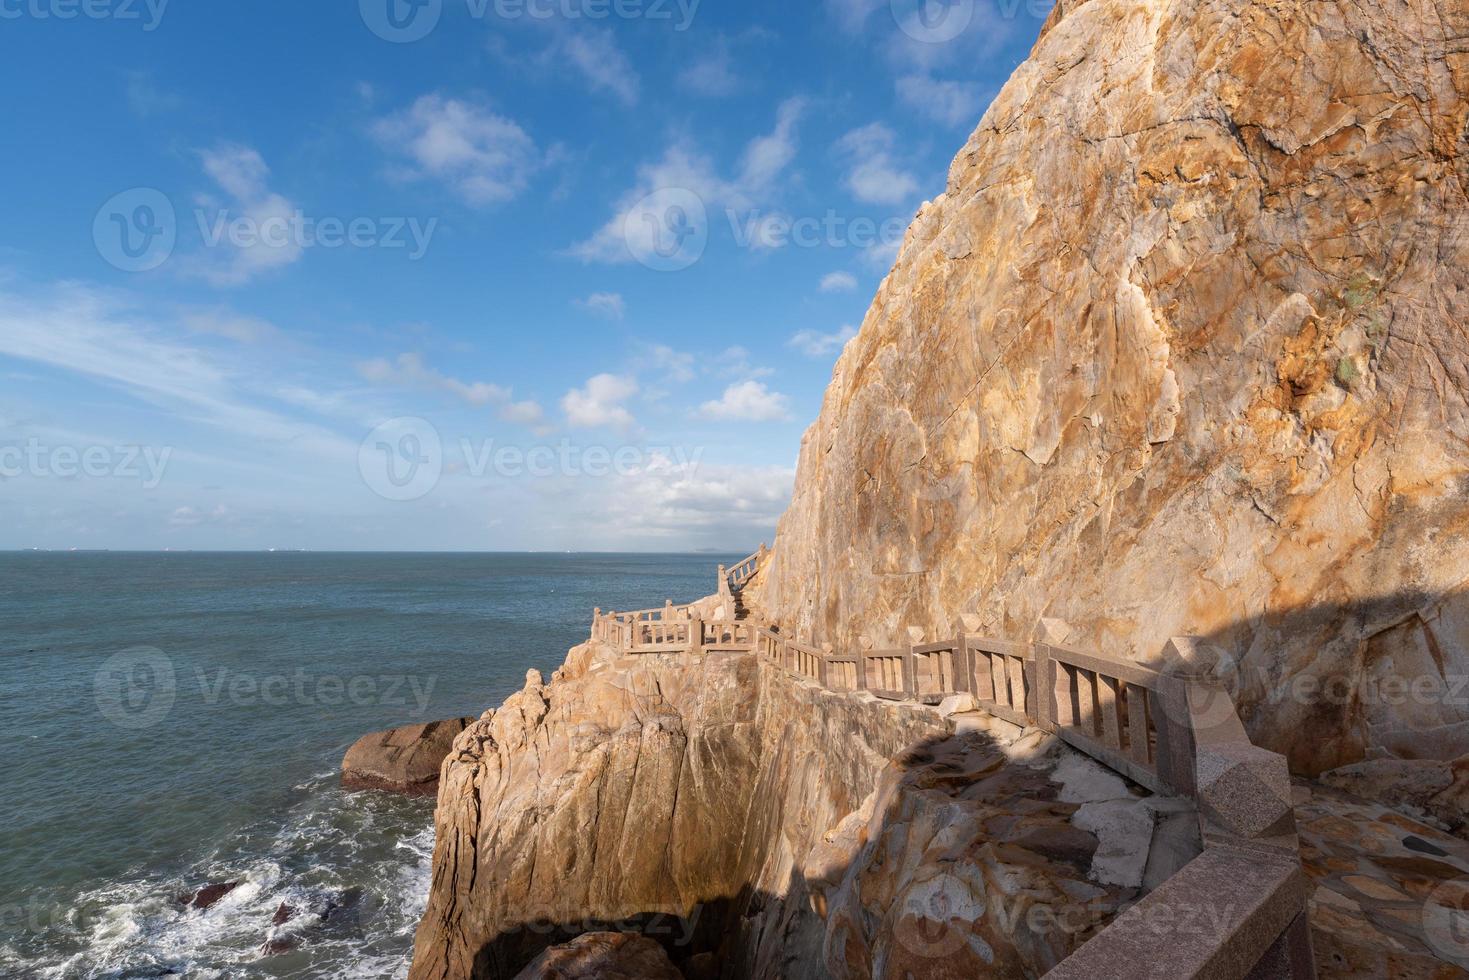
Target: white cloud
x,y
748,401
610,305
484,158
713,75
242,174
874,178
600,61
409,370
838,282
685,171
814,343
599,403
951,103
529,414
689,500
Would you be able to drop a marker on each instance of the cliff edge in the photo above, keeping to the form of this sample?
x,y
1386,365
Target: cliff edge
x,y
757,825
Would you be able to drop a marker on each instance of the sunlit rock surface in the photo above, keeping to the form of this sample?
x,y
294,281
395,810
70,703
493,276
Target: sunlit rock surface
x,y
1181,350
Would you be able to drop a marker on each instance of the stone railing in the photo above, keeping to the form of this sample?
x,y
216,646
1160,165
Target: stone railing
x,y
1236,911
736,576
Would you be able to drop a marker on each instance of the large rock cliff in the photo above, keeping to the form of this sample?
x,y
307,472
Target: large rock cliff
x,y
1181,350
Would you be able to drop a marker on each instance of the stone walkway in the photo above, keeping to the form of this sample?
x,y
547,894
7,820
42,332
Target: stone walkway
x,y
1392,894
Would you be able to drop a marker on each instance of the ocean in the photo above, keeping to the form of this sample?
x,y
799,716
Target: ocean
x,y
173,721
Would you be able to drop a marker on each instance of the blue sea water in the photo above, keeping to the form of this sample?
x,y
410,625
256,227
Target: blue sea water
x,y
175,720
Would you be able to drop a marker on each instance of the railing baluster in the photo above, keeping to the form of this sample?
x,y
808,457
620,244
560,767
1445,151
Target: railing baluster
x,y
1015,670
1086,694
1137,724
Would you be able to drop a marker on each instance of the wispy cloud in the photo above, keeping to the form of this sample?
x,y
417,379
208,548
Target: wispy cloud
x,y
737,362
852,15
677,366
242,175
100,336
814,343
713,74
818,344
146,99
874,176
482,157
596,56
231,326
948,102
409,370
684,169
838,282
610,305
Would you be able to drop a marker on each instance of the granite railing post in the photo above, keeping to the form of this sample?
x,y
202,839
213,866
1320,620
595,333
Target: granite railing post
x,y
696,635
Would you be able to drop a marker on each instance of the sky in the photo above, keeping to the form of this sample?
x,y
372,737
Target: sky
x,y
517,275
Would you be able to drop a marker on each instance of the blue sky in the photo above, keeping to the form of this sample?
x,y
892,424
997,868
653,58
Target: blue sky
x,y
556,274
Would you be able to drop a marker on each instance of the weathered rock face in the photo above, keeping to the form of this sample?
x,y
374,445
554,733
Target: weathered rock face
x,y
1181,350
758,826
402,760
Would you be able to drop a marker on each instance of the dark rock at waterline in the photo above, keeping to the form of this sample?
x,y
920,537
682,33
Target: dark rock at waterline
x,y
276,947
402,760
207,896
330,911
